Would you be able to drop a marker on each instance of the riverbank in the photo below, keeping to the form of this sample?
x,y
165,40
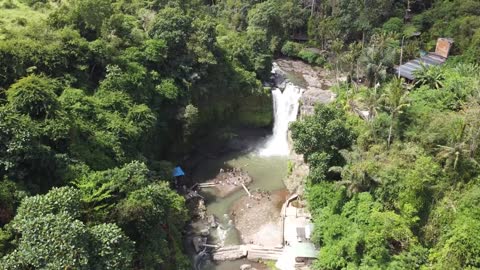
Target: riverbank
x,y
236,217
227,181
317,82
257,218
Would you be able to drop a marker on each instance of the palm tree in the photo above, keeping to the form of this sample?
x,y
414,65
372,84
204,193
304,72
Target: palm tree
x,y
374,68
429,75
395,99
372,101
452,154
457,151
377,58
337,46
351,58
464,143
472,112
465,139
355,176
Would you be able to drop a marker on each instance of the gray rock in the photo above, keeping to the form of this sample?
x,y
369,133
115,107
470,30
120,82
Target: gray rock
x,y
198,243
246,267
211,220
205,232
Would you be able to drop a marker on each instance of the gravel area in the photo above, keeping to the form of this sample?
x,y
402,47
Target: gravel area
x,y
258,220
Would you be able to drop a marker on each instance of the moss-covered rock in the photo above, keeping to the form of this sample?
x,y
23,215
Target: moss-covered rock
x,y
253,110
256,110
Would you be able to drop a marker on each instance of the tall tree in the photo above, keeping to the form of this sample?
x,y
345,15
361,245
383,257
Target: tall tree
x,y
50,237
395,99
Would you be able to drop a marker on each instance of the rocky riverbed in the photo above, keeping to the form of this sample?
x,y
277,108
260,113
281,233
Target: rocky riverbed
x,y
228,181
257,218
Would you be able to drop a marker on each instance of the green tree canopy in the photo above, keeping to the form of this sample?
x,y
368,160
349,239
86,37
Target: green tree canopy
x,y
51,236
34,96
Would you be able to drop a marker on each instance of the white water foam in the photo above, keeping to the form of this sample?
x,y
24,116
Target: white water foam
x,y
223,230
285,107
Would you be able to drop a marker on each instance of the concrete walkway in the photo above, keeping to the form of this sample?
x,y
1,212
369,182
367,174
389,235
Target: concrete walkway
x,y
251,252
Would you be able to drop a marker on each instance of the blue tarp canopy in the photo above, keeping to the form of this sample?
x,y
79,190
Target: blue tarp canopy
x,y
178,172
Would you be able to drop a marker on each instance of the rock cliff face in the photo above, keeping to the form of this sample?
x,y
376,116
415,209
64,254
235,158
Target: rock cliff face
x,y
298,171
317,83
256,110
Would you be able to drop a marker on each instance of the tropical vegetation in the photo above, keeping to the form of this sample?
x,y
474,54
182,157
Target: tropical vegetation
x,y
100,98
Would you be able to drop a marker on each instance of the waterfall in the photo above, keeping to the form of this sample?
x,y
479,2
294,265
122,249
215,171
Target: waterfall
x,y
285,107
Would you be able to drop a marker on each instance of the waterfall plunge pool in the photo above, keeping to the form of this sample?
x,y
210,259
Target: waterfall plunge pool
x,y
267,174
266,165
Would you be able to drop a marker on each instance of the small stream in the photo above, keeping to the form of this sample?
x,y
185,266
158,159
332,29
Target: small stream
x,y
266,162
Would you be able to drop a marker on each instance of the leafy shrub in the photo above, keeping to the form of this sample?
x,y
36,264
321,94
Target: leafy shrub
x,y
8,4
297,50
321,60
290,167
394,25
40,5
307,56
168,89
291,48
312,57
33,2
20,21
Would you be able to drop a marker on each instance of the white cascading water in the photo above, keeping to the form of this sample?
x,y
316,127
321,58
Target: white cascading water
x,y
285,107
223,229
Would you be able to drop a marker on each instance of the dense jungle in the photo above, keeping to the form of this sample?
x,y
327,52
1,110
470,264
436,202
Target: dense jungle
x,y
101,99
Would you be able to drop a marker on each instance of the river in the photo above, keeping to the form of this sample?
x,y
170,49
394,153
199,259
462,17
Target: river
x,y
267,174
265,160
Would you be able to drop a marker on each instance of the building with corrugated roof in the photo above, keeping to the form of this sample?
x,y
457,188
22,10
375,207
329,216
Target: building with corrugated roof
x,y
436,58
